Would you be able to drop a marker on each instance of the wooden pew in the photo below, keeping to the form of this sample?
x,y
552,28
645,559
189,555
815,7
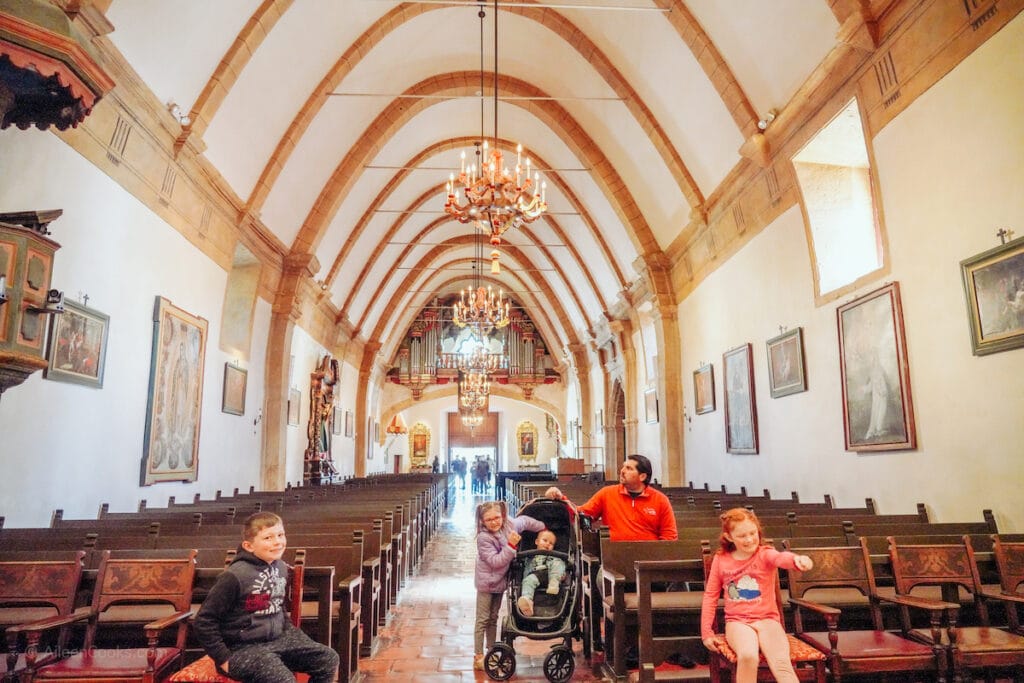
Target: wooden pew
x,y
654,606
619,589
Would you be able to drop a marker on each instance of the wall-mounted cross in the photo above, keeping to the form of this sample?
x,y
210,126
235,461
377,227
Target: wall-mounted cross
x,y
1003,234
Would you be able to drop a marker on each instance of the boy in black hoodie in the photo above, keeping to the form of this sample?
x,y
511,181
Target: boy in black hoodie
x,y
242,623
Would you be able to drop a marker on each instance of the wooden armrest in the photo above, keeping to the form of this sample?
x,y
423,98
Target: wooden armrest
x,y
37,627
169,620
919,602
612,577
815,607
1005,597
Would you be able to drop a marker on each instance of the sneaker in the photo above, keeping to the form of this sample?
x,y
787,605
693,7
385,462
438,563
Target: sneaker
x,y
525,606
478,662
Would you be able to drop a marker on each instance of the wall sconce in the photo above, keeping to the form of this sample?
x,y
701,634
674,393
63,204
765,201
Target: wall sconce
x,y
26,265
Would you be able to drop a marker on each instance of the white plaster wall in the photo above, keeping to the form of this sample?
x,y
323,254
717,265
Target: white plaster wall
x,y
74,447
951,170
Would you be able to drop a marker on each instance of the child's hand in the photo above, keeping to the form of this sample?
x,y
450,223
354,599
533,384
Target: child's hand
x,y
709,643
803,563
514,538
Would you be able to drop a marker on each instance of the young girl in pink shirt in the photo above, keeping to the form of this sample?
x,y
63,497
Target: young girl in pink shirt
x,y
746,570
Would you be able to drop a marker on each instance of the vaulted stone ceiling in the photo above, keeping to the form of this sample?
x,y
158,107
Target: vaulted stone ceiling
x,y
337,122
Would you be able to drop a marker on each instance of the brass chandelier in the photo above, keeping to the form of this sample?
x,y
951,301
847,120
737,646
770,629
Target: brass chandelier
x,y
496,198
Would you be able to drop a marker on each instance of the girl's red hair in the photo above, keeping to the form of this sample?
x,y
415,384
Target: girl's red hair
x,y
730,518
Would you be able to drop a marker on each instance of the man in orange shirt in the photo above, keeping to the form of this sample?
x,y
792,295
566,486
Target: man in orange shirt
x,y
632,510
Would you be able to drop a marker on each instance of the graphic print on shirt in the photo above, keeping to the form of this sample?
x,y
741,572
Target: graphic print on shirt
x,y
744,590
266,593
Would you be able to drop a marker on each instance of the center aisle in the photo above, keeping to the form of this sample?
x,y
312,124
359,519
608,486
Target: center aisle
x,y
429,636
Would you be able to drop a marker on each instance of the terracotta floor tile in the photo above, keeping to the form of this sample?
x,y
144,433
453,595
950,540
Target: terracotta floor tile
x,y
429,634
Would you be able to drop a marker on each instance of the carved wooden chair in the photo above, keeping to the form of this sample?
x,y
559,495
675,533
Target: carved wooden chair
x,y
1009,557
133,589
34,587
808,662
853,650
983,648
203,670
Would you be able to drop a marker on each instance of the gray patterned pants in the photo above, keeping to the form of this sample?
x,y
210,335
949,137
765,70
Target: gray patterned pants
x,y
276,660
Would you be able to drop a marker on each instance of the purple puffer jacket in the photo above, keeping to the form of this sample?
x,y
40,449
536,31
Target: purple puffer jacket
x,y
494,554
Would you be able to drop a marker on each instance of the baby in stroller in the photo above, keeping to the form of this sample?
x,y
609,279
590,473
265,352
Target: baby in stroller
x,y
540,569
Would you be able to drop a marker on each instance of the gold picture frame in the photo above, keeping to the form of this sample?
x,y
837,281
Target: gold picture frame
x,y
233,398
526,440
994,287
175,401
78,346
704,389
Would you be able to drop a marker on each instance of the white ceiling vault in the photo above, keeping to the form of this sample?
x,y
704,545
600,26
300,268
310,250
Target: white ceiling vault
x,y
337,123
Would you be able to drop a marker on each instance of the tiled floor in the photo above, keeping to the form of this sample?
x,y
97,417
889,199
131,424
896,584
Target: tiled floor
x,y
429,636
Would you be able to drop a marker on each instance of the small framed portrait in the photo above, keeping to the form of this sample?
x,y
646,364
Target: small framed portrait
x,y
994,286
349,424
704,389
336,421
786,363
740,405
78,346
235,379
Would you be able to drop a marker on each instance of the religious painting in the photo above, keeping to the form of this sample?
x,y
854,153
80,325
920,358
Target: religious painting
x,y
233,400
704,389
337,421
878,413
740,404
599,421
294,406
651,405
994,286
786,363
78,346
419,444
174,406
526,435
349,424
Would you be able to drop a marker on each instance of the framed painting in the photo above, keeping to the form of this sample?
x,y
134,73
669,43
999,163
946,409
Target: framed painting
x,y
651,405
294,405
704,389
349,424
878,413
599,424
174,405
527,437
994,286
740,404
786,372
337,420
235,379
78,346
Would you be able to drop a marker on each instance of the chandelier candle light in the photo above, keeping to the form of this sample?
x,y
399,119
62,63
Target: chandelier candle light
x,y
496,199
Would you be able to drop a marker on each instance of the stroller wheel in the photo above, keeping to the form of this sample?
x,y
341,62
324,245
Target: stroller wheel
x,y
559,664
500,662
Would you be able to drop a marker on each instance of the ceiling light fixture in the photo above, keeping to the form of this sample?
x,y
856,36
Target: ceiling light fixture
x,y
496,199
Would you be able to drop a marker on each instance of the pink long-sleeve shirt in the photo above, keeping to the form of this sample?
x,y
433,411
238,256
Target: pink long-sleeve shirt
x,y
747,586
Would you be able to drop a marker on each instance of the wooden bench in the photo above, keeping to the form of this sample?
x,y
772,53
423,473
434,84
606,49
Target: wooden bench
x,y
654,606
620,599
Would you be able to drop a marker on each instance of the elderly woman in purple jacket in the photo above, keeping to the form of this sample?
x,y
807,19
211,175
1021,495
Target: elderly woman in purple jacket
x,y
496,540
